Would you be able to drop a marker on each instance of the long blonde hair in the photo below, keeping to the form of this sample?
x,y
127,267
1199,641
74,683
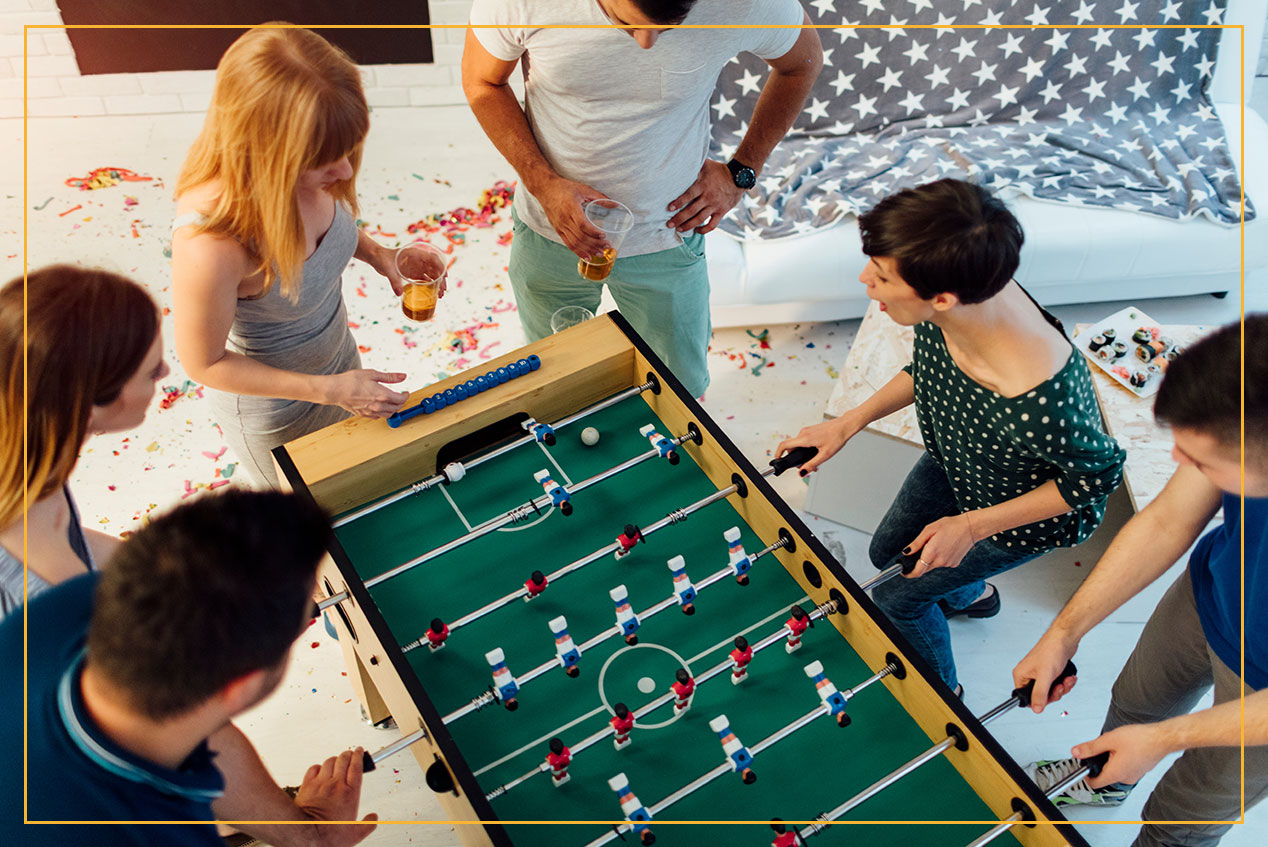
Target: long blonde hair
x,y
285,100
87,332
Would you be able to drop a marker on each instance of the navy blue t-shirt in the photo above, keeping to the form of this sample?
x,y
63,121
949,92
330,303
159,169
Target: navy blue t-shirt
x,y
1216,570
76,773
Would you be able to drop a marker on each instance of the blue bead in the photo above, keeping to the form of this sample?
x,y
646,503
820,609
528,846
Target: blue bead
x,y
429,405
534,362
513,369
451,396
503,375
472,388
438,400
460,390
482,382
525,366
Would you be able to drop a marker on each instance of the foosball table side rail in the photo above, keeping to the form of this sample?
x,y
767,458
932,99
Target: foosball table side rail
x,y
982,762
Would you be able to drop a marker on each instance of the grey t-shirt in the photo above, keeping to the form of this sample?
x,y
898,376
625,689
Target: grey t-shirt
x,y
629,122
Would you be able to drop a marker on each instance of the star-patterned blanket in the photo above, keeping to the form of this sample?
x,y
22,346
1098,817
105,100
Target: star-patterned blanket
x,y
1094,116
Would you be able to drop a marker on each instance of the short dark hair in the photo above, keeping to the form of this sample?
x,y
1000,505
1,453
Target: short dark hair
x,y
215,589
1202,388
948,236
665,11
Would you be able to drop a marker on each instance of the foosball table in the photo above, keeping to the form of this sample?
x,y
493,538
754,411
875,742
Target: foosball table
x,y
593,620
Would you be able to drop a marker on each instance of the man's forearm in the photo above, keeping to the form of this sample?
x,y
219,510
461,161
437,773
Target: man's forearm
x,y
777,109
251,794
1219,726
506,125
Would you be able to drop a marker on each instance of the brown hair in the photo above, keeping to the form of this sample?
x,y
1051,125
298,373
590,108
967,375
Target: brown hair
x,y
285,101
87,332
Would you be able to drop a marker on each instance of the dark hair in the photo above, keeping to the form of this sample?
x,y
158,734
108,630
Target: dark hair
x,y
948,236
556,745
87,332
622,711
741,642
1202,388
665,11
215,589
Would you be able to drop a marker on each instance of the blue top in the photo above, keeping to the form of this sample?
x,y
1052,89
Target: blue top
x,y
75,772
1216,570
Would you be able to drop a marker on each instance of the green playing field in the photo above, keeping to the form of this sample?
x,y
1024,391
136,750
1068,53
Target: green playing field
x,y
811,771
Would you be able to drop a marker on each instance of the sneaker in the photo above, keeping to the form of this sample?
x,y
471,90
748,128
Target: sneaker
x,y
987,607
1049,772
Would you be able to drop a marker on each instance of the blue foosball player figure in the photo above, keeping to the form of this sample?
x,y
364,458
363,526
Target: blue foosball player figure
x,y
682,585
741,758
625,617
666,448
568,653
634,811
739,561
503,682
833,699
557,493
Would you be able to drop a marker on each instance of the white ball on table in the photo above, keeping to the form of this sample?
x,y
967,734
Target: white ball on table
x,y
589,436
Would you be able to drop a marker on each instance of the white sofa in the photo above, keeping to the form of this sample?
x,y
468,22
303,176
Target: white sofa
x,y
1072,254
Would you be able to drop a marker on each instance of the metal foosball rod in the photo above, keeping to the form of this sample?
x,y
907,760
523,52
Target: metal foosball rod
x,y
424,484
519,513
1020,697
820,611
827,707
1087,767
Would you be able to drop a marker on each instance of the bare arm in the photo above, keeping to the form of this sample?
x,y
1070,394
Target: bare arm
x,y
832,435
1136,748
1143,550
714,193
485,83
331,792
206,272
101,545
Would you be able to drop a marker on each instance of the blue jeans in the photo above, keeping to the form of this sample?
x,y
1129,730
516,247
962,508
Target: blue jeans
x,y
912,604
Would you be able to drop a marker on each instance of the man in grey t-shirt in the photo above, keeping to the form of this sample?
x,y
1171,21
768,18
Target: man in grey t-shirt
x,y
616,111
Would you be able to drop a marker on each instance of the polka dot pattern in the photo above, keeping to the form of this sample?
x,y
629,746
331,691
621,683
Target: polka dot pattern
x,y
995,448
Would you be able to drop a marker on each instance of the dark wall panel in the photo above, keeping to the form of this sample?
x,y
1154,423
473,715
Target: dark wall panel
x,y
115,50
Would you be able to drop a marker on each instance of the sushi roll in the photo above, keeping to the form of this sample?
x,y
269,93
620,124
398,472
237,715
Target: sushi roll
x,y
1142,336
1106,353
1097,342
1138,379
1110,334
1120,349
1145,353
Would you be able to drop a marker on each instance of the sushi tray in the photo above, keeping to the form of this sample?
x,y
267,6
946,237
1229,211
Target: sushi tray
x,y
1131,347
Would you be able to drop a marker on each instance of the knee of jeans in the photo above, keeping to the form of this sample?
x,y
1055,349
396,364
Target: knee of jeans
x,y
883,549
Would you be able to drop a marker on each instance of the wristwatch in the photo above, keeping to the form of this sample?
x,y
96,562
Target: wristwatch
x,y
742,175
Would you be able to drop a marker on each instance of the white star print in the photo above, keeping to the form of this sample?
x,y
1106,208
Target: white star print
x,y
1011,45
869,56
936,76
842,82
1164,64
965,49
1126,12
1095,89
1214,14
1058,40
958,100
823,6
1144,38
724,107
1117,113
749,83
1181,91
1084,13
911,101
891,79
1050,93
1026,117
1038,17
1189,39
865,106
1007,96
1171,11
817,110
984,73
1138,89
917,52
1118,63
1102,38
1032,69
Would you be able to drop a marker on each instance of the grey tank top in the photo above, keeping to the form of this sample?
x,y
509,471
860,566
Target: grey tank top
x,y
11,566
308,336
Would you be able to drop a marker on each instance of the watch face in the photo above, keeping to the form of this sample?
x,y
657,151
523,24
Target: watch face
x,y
743,176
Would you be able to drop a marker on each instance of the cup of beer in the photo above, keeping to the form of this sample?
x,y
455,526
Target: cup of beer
x,y
422,267
614,220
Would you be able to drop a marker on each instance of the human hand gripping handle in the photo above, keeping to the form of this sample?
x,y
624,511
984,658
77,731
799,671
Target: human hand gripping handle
x,y
331,791
1121,755
564,202
362,392
1042,666
826,438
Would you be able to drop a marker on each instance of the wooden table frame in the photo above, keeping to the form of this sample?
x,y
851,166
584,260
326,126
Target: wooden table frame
x,y
359,460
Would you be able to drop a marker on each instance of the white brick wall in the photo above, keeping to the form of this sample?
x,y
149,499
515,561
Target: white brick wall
x,y
56,88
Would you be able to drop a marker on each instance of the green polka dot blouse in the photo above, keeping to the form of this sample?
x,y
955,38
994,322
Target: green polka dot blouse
x,y
994,448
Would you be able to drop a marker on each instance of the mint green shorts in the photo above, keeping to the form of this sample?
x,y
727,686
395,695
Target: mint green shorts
x,y
664,296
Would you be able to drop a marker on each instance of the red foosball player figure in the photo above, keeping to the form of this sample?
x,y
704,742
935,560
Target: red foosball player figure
x,y
558,759
627,539
622,722
740,657
684,686
436,634
534,585
797,626
785,836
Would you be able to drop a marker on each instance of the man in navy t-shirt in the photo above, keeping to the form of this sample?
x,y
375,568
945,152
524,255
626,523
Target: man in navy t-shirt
x,y
134,673
1193,641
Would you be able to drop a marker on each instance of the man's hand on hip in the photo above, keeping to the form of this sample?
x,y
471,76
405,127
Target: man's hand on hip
x,y
564,202
702,205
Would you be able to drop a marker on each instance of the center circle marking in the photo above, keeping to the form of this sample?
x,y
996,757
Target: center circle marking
x,y
647,685
641,646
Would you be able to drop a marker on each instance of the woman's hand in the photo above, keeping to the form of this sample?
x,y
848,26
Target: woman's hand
x,y
361,392
829,437
383,260
942,544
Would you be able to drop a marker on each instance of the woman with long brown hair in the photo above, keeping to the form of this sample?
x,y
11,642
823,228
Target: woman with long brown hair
x,y
93,355
264,229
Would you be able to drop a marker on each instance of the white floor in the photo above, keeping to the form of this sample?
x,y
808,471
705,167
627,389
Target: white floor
x,y
430,160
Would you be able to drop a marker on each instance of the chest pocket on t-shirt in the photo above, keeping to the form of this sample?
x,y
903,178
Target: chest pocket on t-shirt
x,y
675,83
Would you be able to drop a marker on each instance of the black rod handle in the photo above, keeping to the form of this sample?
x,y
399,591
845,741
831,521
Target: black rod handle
x,y
1023,694
1095,764
794,458
367,762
